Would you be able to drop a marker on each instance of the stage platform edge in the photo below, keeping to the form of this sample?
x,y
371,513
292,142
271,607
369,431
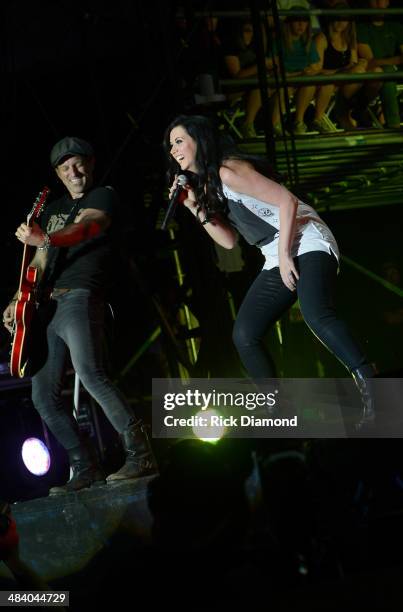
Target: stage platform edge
x,y
59,535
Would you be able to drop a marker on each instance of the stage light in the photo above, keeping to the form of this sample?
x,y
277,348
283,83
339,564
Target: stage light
x,y
214,430
36,456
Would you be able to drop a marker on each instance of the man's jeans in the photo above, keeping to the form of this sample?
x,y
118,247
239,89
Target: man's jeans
x,y
77,327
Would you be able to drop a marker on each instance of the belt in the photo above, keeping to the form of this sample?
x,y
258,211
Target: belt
x,y
57,292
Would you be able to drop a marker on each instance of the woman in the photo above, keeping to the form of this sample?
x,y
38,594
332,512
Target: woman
x,y
337,48
300,59
240,62
235,192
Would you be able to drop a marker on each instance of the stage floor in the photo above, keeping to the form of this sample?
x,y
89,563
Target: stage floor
x,y
59,535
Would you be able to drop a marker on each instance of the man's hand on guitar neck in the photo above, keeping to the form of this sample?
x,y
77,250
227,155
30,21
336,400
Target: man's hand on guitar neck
x,y
31,235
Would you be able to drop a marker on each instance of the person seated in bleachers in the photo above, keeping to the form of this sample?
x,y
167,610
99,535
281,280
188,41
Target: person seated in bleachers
x,y
380,43
301,58
331,4
286,5
204,49
337,48
240,62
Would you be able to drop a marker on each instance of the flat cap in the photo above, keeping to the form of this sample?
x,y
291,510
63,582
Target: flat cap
x,y
70,145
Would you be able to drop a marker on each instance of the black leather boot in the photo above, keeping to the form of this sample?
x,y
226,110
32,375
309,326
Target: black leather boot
x,y
139,456
85,472
363,379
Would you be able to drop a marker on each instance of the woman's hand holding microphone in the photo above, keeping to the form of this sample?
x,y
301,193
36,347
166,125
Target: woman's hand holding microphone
x,y
187,196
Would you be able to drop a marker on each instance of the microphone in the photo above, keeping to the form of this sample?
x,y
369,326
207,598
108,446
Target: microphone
x,y
182,180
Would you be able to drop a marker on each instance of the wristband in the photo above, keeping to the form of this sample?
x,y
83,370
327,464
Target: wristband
x,y
46,243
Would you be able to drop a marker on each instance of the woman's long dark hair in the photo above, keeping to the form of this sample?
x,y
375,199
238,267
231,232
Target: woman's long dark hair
x,y
213,148
349,35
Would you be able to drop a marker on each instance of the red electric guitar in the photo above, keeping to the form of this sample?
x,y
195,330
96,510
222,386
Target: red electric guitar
x,y
26,304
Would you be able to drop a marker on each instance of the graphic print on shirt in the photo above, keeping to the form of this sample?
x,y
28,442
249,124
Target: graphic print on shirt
x,y
260,209
311,232
57,222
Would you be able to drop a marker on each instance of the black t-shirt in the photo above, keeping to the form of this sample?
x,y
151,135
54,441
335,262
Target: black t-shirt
x,y
88,265
246,55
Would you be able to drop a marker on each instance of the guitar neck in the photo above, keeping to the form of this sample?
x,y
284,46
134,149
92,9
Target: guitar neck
x,y
26,260
29,250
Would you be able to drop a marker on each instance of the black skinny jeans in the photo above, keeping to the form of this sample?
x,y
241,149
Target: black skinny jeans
x,y
267,300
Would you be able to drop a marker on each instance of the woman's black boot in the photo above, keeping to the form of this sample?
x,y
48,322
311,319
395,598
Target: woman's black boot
x,y
363,378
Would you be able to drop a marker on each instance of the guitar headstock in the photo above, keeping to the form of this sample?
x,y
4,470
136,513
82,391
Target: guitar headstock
x,y
38,204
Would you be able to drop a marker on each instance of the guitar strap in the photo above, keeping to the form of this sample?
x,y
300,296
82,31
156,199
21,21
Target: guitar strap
x,y
56,255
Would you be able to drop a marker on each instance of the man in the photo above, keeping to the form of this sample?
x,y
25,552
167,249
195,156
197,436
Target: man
x,y
380,42
73,256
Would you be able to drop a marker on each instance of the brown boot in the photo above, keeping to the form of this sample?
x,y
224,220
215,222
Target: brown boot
x,y
139,456
85,472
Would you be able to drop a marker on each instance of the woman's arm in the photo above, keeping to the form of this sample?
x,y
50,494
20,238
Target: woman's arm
x,y
234,69
217,227
353,57
243,178
312,69
321,46
236,72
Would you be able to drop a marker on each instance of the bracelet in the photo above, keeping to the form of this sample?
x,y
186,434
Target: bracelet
x,y
206,219
46,243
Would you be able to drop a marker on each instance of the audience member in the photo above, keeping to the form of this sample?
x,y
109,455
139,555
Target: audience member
x,y
337,48
301,58
380,43
286,5
240,62
205,48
